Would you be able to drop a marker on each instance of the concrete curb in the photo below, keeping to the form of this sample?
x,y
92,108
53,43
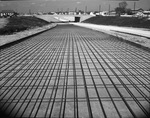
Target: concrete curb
x,y
131,42
41,30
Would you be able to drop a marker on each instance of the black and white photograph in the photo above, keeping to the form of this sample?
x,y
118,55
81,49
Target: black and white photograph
x,y
74,58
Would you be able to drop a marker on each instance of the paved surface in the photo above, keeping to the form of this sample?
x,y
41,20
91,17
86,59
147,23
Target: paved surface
x,y
71,71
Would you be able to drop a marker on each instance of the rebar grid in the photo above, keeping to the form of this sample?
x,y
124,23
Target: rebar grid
x,y
74,72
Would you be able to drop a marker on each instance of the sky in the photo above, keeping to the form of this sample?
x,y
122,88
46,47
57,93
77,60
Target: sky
x,y
34,6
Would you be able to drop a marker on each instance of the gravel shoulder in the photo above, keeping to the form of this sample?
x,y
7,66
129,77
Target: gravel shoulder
x,y
5,39
140,36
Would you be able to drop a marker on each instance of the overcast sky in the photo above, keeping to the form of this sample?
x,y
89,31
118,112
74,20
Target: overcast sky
x,y
63,5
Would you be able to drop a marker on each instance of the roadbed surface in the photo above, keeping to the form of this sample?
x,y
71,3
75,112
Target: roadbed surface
x,y
70,71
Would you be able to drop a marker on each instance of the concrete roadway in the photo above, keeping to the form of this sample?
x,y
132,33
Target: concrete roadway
x,y
74,72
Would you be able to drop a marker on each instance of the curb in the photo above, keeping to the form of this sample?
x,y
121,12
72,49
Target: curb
x,y
131,34
24,38
128,41
132,43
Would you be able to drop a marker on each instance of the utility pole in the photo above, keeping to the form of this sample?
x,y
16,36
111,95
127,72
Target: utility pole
x,y
99,8
68,10
85,9
134,6
17,7
29,11
109,9
76,9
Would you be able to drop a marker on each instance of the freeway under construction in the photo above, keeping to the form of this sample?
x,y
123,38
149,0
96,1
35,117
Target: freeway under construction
x,y
74,72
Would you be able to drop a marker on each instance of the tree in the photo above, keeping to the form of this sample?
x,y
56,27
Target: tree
x,y
122,8
123,5
129,11
119,11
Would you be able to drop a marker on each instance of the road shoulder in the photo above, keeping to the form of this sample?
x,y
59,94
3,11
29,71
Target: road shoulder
x,y
6,39
138,36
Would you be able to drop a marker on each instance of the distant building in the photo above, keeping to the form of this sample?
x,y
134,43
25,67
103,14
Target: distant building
x,y
147,13
112,13
137,10
39,13
7,13
97,13
92,14
72,13
141,13
104,13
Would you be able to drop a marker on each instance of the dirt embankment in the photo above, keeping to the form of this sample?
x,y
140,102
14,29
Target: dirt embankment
x,y
3,22
120,21
17,24
18,28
